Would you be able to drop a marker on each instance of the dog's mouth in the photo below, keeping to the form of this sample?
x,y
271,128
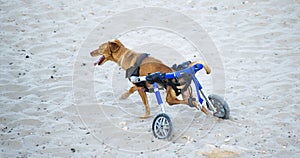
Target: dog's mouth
x,y
99,61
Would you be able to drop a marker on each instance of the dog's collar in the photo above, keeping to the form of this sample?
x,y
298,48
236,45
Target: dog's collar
x,y
122,58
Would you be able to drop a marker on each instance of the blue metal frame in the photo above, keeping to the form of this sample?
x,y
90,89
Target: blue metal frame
x,y
191,71
157,93
198,87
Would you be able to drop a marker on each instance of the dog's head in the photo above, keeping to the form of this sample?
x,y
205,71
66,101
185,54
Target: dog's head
x,y
110,50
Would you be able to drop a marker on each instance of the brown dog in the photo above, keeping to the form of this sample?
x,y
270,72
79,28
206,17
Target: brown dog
x,y
115,51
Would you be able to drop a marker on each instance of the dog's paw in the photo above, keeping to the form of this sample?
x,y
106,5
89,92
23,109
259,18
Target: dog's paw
x,y
192,102
124,96
145,116
203,109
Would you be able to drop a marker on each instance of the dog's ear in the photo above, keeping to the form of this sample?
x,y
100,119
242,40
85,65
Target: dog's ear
x,y
113,46
117,41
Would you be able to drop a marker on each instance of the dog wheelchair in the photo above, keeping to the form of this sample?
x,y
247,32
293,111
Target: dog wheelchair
x,y
162,127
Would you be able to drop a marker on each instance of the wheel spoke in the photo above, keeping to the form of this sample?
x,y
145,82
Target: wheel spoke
x,y
220,105
162,126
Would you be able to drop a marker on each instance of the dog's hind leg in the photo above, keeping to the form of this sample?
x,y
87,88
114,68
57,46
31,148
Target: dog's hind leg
x,y
143,95
129,92
172,98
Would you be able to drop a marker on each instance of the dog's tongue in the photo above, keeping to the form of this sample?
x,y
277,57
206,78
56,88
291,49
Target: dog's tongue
x,y
99,61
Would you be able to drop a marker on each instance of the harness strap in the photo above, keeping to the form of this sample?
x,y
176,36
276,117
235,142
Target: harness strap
x,y
134,70
174,86
186,77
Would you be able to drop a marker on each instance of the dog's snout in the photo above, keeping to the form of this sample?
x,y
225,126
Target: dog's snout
x,y
93,53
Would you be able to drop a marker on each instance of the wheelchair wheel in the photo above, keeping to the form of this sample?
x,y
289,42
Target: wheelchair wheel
x,y
162,126
222,108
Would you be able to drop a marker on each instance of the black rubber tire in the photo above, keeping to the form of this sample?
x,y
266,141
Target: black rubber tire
x,y
162,127
221,106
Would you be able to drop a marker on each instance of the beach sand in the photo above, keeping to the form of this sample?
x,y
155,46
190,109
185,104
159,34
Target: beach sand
x,y
55,103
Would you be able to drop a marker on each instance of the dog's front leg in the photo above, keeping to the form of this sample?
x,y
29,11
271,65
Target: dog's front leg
x,y
130,91
143,95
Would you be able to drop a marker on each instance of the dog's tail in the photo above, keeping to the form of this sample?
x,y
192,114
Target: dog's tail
x,y
206,67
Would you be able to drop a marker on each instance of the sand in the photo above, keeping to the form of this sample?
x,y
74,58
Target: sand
x,y
54,103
